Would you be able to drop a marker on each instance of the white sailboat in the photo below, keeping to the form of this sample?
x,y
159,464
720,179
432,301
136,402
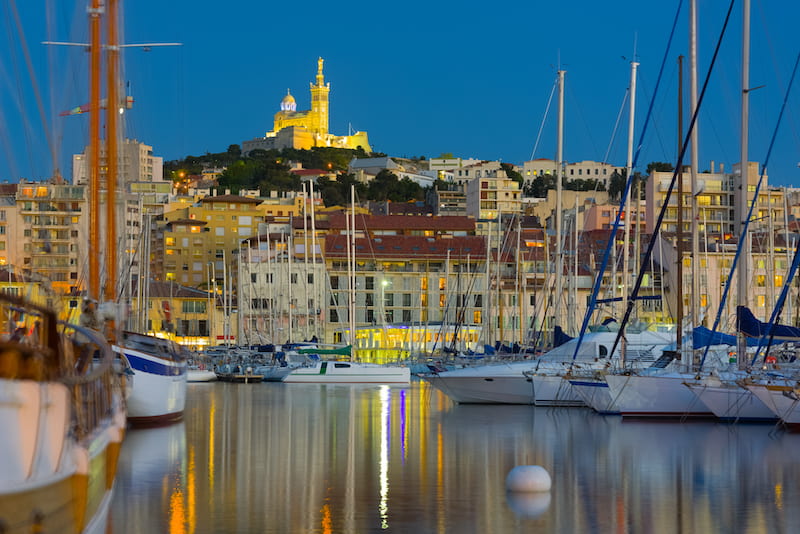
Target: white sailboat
x,y
350,371
517,382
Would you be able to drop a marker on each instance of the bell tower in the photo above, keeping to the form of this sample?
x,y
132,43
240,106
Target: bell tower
x,y
319,102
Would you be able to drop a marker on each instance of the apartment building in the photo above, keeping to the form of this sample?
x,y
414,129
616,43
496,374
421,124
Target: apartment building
x,y
189,242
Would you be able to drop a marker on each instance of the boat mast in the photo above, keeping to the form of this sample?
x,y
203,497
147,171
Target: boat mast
x,y
627,266
290,293
305,262
686,359
318,298
112,106
559,171
741,188
679,232
94,149
352,296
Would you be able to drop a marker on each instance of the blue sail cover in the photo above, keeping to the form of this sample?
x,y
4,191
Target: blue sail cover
x,y
703,337
753,328
559,337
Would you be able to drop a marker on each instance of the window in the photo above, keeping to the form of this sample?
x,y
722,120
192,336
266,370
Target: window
x,y
294,278
253,277
219,230
310,278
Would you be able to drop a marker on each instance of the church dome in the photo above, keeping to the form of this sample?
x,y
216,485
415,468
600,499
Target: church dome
x,y
288,103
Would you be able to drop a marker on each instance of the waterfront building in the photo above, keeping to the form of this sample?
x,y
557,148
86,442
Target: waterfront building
x,y
716,201
450,201
489,194
583,170
48,235
769,261
136,164
446,164
186,315
308,128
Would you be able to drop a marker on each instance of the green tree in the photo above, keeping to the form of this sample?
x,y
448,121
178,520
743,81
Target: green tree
x,y
539,186
511,173
659,166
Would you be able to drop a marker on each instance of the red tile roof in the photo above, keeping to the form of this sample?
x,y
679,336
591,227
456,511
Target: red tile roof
x,y
408,247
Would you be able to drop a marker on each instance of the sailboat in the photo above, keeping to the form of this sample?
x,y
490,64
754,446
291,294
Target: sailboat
x,y
62,411
157,387
349,371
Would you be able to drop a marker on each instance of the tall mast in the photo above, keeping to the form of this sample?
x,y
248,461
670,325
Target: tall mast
x,y
352,296
741,188
627,268
94,149
318,298
112,84
559,170
695,300
679,244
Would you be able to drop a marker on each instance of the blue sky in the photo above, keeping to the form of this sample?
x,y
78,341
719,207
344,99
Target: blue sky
x,y
424,78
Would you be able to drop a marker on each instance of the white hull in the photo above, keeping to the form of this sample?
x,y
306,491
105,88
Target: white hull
x,y
483,390
594,392
349,373
486,384
200,375
658,396
513,383
157,388
274,373
781,399
554,390
730,402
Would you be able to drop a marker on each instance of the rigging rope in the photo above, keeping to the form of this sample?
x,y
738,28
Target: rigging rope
x,y
612,238
678,169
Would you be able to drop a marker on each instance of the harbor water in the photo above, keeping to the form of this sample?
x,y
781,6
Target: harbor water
x,y
309,458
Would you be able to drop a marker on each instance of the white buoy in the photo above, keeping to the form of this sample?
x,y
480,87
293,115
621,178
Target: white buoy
x,y
528,478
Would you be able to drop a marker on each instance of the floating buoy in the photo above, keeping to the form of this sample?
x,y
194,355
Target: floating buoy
x,y
528,478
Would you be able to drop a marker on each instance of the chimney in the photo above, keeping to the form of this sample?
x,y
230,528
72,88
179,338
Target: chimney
x,y
712,166
722,168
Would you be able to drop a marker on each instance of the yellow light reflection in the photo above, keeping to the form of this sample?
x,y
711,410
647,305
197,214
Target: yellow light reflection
x,y
327,523
383,507
779,496
211,440
191,492
177,513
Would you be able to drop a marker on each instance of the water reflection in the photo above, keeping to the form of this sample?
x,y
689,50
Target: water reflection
x,y
153,481
339,458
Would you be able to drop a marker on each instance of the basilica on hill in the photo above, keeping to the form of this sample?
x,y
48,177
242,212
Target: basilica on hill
x,y
306,129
